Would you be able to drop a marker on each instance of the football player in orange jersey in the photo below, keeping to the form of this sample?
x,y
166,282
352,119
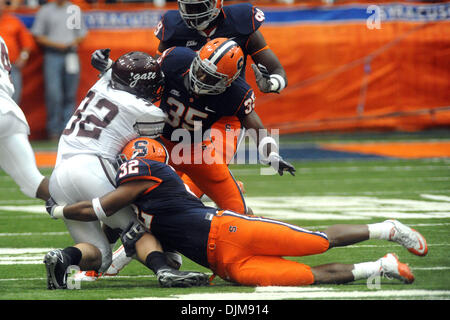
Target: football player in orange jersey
x,y
204,87
196,23
248,250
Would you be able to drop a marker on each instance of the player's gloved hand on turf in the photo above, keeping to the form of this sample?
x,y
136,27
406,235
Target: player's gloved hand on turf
x,y
280,165
262,78
130,236
100,59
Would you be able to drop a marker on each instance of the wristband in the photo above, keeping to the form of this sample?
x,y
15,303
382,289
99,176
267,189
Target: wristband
x,y
24,55
273,157
277,83
109,64
99,212
58,213
264,141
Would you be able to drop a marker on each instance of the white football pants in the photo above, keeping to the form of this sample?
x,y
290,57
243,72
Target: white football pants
x,y
85,177
16,154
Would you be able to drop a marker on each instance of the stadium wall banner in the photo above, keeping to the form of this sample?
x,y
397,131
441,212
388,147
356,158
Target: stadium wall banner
x,y
350,67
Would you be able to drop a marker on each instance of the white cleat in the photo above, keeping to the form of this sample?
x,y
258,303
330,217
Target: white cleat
x,y
119,261
391,267
87,276
407,237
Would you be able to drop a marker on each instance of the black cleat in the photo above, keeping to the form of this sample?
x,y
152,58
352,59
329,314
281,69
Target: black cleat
x,y
56,263
168,278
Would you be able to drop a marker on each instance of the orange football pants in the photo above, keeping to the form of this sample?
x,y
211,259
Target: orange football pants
x,y
209,175
248,250
225,148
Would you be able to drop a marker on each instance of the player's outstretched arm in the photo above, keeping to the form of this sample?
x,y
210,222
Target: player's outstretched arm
x,y
100,208
267,146
269,72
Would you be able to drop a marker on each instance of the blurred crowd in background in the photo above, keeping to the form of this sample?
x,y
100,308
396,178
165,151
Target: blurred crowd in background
x,y
14,4
346,75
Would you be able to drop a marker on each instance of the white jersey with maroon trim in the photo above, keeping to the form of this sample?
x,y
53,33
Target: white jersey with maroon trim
x,y
104,121
6,85
7,104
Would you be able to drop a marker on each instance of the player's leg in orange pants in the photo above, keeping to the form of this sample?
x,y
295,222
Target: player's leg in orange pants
x,y
225,148
212,176
249,250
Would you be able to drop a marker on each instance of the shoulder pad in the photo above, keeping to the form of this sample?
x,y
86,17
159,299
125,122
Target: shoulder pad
x,y
136,169
176,59
237,94
171,25
245,17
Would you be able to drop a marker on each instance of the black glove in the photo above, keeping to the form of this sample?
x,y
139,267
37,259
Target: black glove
x,y
280,165
100,59
130,236
262,78
50,206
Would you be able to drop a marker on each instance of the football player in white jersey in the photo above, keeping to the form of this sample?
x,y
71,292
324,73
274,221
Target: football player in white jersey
x,y
16,154
116,109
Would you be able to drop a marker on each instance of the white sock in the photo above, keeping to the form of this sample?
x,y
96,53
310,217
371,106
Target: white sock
x,y
365,270
380,230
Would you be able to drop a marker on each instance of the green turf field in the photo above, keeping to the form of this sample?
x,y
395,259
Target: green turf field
x,y
323,193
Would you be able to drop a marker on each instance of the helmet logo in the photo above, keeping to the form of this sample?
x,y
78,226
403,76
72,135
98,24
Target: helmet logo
x,y
141,76
140,147
240,63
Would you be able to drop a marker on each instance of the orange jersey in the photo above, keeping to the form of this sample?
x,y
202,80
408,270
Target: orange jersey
x,y
16,35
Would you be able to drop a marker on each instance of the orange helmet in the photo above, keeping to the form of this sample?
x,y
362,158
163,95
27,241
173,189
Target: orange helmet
x,y
144,147
216,66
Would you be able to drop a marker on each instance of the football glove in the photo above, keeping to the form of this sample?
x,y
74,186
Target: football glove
x,y
100,60
130,236
262,78
51,206
280,165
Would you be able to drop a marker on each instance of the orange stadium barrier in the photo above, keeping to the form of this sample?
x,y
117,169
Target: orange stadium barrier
x,y
344,73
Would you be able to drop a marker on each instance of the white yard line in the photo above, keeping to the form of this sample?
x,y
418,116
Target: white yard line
x,y
277,293
435,197
255,171
24,234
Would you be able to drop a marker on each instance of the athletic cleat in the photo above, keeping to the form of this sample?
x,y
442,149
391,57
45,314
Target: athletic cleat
x,y
87,276
119,261
168,278
391,267
56,265
174,259
409,238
